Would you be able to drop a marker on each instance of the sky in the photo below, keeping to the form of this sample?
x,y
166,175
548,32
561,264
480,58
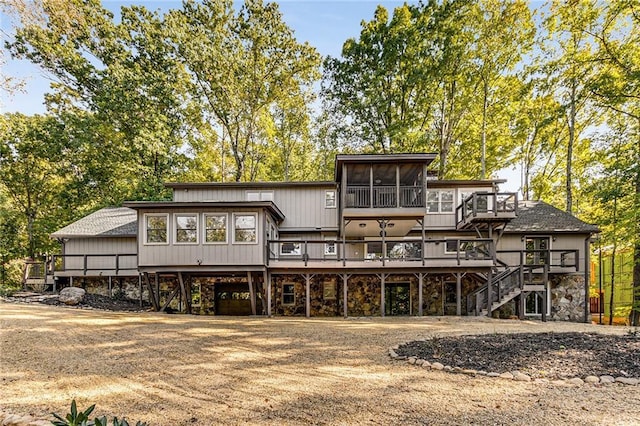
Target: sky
x,y
326,25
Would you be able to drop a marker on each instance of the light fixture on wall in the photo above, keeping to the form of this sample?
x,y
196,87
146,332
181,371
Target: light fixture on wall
x,y
363,225
390,225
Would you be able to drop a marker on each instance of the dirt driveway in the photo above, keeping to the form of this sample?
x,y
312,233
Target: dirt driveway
x,y
190,370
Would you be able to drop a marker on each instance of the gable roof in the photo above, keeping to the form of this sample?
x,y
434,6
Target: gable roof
x,y
106,222
538,216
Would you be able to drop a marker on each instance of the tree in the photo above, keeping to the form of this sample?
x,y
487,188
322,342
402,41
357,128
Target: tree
x,y
32,177
245,69
568,66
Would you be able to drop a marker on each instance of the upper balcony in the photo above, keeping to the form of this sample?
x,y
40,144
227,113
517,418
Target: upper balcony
x,y
485,209
370,183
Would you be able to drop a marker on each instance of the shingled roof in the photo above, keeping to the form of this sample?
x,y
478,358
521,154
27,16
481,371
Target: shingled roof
x,y
107,222
538,216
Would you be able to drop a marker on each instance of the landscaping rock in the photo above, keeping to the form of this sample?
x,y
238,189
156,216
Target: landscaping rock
x,y
627,381
607,379
506,375
521,377
437,366
591,379
577,381
71,295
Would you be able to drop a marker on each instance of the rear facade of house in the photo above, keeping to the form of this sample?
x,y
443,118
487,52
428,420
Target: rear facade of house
x,y
383,238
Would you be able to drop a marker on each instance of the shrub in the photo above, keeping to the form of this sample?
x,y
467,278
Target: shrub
x,y
76,418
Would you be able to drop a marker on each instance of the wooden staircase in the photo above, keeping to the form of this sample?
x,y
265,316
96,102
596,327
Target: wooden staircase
x,y
505,285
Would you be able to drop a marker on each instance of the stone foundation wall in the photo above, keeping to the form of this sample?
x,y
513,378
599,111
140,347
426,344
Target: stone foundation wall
x,y
121,287
567,297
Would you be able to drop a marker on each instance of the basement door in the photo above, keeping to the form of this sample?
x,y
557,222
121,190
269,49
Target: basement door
x,y
397,298
232,299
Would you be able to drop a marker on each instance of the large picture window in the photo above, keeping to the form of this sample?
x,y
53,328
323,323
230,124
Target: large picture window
x,y
186,229
244,226
440,201
156,228
215,228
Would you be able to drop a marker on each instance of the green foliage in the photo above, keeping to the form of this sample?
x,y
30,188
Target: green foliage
x,y
76,418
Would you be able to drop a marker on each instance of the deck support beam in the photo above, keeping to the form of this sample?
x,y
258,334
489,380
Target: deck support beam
x,y
307,292
489,293
420,276
458,294
152,295
383,277
140,288
252,293
345,289
268,284
183,289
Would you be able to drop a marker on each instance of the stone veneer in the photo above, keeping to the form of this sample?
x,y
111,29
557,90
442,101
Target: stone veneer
x,y
121,287
567,297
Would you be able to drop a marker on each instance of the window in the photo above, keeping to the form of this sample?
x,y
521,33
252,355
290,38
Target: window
x,y
329,289
288,294
215,228
440,201
186,228
291,249
330,249
156,228
259,196
245,228
330,199
536,250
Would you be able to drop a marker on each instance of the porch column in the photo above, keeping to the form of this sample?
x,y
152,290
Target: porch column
x,y
522,298
307,289
489,293
382,301
268,283
458,294
345,306
420,297
140,288
183,290
110,287
544,303
252,293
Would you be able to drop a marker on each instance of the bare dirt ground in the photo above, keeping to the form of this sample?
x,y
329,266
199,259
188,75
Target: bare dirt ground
x,y
190,370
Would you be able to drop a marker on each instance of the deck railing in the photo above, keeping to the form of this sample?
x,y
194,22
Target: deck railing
x,y
364,196
488,204
389,250
88,263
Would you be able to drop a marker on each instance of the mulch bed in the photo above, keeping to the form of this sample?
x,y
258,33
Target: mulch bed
x,y
540,355
90,301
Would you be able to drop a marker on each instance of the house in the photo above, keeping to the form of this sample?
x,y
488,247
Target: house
x,y
383,238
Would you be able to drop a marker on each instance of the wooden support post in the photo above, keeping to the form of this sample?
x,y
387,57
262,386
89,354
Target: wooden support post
x,y
382,291
152,295
420,276
268,294
544,304
345,289
263,293
252,293
110,287
522,298
183,292
71,281
157,280
458,294
489,293
307,293
140,288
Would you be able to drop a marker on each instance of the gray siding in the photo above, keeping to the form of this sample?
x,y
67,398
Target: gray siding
x,y
100,255
200,253
303,206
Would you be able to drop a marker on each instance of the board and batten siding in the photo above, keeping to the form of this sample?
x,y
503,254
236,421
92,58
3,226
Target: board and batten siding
x,y
101,259
302,206
200,253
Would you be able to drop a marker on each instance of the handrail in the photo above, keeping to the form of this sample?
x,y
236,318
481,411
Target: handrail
x,y
554,258
494,203
86,264
405,250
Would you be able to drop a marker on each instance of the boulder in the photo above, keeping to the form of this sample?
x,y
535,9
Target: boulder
x,y
71,295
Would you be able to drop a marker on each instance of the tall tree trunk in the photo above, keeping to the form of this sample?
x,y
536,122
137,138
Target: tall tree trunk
x,y
483,148
613,261
634,317
572,135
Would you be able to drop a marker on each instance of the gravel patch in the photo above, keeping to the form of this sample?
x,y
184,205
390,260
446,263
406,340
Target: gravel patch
x,y
539,355
191,370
